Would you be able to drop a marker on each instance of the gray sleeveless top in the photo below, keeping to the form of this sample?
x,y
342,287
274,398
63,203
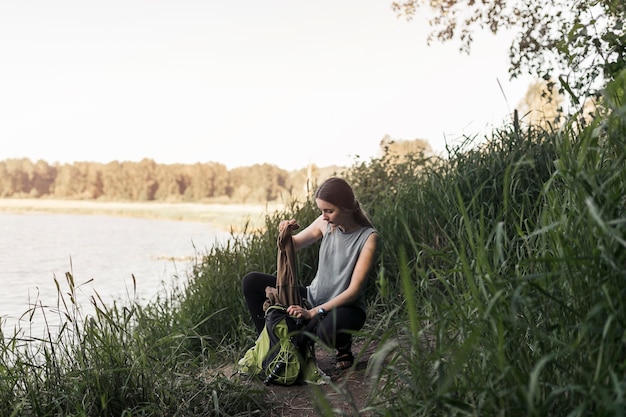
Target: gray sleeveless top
x,y
339,252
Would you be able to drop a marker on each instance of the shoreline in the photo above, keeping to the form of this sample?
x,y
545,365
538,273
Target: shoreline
x,y
223,216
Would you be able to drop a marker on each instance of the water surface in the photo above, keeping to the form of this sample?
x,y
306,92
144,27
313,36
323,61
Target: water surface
x,y
102,253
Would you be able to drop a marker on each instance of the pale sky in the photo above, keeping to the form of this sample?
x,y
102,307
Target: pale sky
x,y
285,82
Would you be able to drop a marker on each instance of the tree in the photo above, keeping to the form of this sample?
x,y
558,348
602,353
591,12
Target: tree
x,y
67,183
541,105
42,178
402,149
19,178
582,43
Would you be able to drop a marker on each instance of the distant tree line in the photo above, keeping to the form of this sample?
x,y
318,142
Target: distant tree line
x,y
148,181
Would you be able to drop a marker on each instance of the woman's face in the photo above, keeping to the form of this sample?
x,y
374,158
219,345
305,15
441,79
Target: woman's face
x,y
331,213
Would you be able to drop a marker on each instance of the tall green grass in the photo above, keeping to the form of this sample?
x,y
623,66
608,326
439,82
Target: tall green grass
x,y
121,360
498,290
520,289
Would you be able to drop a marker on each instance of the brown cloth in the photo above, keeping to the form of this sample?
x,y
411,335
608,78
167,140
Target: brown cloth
x,y
286,292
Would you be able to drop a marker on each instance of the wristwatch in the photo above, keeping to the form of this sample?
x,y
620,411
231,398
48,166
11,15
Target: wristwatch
x,y
321,312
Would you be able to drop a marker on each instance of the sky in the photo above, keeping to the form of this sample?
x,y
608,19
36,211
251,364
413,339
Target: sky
x,y
284,82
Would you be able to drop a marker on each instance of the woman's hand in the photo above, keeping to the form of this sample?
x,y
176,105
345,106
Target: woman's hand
x,y
288,223
300,312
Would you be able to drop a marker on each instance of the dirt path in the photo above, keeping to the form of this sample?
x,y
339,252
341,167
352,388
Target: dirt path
x,y
348,390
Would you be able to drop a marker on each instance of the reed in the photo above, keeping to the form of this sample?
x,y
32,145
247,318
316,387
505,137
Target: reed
x,y
520,290
120,360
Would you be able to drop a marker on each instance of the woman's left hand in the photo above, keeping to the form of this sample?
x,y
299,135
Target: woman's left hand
x,y
299,312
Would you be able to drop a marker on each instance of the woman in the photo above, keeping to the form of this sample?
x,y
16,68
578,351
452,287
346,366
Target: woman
x,y
337,293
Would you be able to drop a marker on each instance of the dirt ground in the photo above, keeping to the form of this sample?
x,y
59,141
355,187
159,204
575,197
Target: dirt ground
x,y
348,390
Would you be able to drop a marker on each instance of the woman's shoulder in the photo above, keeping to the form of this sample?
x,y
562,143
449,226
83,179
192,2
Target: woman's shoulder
x,y
313,232
321,225
368,230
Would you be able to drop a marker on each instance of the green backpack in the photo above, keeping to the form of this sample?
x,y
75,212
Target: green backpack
x,y
276,356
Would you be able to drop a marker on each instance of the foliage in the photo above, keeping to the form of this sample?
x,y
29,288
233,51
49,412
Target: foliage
x,y
580,43
541,106
148,181
120,360
521,311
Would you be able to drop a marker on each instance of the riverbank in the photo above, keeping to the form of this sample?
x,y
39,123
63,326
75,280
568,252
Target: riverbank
x,y
223,216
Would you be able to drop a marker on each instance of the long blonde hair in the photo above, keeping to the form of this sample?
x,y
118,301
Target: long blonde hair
x,y
338,192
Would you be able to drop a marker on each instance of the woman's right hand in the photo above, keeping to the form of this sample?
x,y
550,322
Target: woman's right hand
x,y
288,223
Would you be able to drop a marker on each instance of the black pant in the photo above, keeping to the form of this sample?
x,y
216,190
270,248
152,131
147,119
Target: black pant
x,y
333,330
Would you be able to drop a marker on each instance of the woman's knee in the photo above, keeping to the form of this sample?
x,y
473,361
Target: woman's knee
x,y
338,326
247,282
256,282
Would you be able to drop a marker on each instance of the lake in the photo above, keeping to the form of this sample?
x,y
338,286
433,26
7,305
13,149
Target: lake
x,y
102,253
